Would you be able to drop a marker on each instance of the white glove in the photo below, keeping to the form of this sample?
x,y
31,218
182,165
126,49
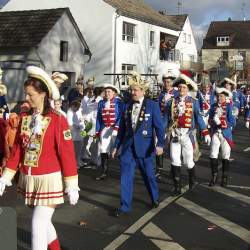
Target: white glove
x,y
73,195
247,124
114,133
3,184
217,120
207,139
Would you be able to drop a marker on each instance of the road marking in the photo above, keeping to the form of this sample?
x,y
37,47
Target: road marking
x,y
227,225
141,222
160,238
247,149
229,193
241,187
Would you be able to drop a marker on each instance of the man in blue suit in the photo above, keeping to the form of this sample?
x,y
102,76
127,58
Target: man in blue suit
x,y
140,124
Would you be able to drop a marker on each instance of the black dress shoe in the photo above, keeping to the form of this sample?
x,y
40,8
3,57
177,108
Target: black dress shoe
x,y
101,177
118,213
155,204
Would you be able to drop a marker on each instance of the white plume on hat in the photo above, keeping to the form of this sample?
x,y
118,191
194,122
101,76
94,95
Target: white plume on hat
x,y
111,86
135,80
226,79
40,74
188,81
223,91
59,77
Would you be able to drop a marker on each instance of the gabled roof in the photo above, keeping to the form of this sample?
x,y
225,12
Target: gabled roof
x,y
178,19
238,31
140,11
28,28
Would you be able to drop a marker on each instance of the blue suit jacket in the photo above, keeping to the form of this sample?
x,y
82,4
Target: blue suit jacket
x,y
148,126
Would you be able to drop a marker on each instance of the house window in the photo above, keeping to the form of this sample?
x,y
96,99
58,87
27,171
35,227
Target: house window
x,y
191,58
224,55
64,47
223,41
126,69
184,37
189,39
128,32
152,38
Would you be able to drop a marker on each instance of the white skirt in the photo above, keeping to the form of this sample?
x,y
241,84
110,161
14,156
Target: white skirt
x,y
41,190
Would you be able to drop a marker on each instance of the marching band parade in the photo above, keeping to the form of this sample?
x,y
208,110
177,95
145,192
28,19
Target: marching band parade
x,y
138,131
162,124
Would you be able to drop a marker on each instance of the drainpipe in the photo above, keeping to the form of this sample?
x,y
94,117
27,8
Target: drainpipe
x,y
115,33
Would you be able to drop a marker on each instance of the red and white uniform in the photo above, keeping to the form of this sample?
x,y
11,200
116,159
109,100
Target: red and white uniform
x,y
107,123
45,158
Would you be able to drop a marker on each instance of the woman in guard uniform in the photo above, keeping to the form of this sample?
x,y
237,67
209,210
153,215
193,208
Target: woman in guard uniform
x,y
222,122
44,151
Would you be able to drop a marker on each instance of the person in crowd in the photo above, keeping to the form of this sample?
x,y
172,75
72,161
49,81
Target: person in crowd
x,y
236,99
183,116
4,110
76,124
43,150
85,103
247,104
222,121
90,116
206,97
4,149
58,107
168,92
109,113
141,121
168,48
76,93
163,46
59,79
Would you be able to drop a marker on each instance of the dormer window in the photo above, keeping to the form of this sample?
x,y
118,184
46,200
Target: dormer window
x,y
222,40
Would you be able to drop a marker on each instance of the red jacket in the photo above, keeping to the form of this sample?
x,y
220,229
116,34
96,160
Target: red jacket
x,y
52,149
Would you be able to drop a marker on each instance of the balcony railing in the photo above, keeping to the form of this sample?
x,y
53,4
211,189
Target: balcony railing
x,y
172,55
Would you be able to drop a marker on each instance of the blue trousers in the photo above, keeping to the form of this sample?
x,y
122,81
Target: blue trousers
x,y
128,163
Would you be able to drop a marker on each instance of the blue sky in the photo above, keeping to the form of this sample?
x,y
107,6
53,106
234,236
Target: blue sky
x,y
202,12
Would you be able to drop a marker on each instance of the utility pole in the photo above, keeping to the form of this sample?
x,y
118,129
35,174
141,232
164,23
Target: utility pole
x,y
243,6
179,5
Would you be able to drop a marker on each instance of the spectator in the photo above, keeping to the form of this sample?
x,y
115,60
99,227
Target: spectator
x,y
76,93
76,124
168,49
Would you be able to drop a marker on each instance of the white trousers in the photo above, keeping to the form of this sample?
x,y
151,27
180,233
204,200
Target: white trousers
x,y
218,141
107,140
182,149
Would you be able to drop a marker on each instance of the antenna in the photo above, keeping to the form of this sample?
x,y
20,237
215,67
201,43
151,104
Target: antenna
x,y
179,5
243,6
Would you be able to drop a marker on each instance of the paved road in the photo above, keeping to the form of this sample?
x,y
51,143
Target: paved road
x,y
204,219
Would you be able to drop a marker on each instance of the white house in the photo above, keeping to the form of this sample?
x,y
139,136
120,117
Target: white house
x,y
121,34
186,44
47,38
